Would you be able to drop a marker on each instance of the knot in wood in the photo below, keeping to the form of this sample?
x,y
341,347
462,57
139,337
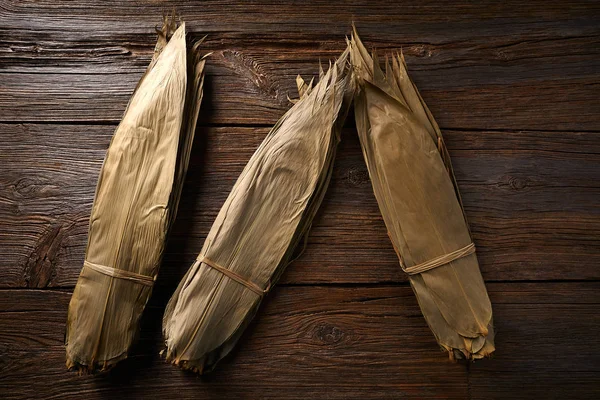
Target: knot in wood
x,y
517,183
421,50
329,334
357,176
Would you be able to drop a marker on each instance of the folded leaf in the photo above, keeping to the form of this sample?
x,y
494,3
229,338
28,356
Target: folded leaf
x,y
418,197
136,201
268,211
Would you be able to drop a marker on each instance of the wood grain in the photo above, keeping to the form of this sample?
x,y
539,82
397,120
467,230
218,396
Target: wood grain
x,y
343,343
291,352
514,86
511,68
529,196
540,324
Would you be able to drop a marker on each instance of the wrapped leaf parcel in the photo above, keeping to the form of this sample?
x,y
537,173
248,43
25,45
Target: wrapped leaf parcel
x,y
268,211
136,201
419,200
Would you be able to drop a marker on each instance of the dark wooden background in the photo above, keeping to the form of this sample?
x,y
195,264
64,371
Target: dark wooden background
x,y
514,86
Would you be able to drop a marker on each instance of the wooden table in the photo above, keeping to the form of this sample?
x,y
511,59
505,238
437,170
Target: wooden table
x,y
515,88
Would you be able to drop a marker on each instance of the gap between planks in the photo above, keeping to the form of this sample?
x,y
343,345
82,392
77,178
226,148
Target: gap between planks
x,y
339,285
262,126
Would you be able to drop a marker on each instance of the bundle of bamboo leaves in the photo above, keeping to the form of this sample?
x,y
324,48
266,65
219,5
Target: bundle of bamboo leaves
x,y
418,197
136,201
268,211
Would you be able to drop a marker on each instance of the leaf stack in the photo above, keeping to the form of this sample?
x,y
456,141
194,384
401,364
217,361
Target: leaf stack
x,y
418,197
268,211
136,201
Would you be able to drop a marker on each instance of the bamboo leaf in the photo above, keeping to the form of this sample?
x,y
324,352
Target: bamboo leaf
x,y
267,213
135,204
414,184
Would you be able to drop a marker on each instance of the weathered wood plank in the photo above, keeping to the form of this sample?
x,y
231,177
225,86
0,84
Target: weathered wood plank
x,y
127,51
531,198
546,345
241,90
237,99
321,15
342,343
519,67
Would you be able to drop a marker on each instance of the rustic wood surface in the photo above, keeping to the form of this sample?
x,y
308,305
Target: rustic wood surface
x,y
514,86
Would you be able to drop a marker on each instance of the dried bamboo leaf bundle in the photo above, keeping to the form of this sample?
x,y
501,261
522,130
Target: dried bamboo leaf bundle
x,y
418,197
268,211
135,204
